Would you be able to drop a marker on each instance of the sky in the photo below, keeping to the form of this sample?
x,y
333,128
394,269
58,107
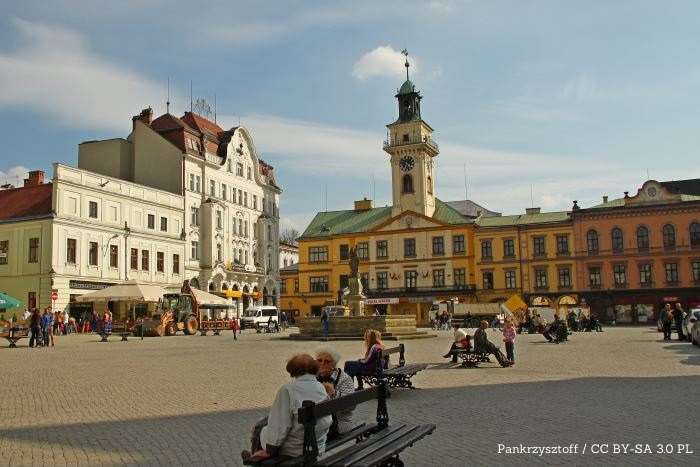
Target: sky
x,y
533,103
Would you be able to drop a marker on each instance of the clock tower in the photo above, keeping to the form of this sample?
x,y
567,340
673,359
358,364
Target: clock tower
x,y
412,149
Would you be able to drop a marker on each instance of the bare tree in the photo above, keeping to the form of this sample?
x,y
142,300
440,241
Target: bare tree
x,y
289,235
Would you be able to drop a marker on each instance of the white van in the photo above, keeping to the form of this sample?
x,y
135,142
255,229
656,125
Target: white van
x,y
259,316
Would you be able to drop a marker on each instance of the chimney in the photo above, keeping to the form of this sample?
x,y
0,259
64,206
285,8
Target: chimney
x,y
605,198
36,178
363,205
146,116
532,210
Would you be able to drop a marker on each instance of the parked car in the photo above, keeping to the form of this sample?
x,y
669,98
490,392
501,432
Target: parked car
x,y
691,318
257,317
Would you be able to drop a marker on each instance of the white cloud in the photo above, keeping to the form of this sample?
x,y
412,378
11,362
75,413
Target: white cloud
x,y
382,61
55,74
14,175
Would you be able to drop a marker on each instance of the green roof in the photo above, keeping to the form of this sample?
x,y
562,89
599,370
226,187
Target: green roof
x,y
523,219
620,202
328,224
407,87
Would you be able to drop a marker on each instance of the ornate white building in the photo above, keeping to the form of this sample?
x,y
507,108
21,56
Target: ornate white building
x,y
230,197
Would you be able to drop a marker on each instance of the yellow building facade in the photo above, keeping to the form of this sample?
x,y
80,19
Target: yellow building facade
x,y
414,253
530,254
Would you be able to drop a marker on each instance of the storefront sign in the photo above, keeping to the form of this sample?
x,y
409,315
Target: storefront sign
x,y
381,301
86,285
672,299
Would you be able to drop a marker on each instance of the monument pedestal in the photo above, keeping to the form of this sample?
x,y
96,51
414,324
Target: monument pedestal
x,y
392,327
356,303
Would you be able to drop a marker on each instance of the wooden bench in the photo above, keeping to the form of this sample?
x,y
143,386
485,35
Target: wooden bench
x,y
375,444
14,334
117,327
396,377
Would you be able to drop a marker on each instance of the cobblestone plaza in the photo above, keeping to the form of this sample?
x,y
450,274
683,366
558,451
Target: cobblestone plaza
x,y
192,400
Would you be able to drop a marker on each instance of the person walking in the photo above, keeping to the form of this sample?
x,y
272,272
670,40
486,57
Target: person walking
x,y
666,320
509,339
678,316
325,321
35,326
234,328
47,326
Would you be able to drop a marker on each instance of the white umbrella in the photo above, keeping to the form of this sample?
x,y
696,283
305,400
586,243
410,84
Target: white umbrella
x,y
129,291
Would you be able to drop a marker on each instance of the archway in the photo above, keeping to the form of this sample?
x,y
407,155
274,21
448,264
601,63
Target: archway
x,y
212,287
255,293
265,296
194,283
246,297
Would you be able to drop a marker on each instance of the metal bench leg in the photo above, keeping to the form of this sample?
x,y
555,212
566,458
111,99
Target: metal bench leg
x,y
104,338
217,332
203,333
124,338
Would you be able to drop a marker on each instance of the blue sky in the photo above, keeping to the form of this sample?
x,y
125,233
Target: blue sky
x,y
567,100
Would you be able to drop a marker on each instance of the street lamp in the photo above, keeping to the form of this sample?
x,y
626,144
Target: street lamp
x,y
127,232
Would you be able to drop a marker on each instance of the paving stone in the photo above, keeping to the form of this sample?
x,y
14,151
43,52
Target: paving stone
x,y
188,400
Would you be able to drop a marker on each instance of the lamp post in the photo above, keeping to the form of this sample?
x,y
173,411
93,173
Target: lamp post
x,y
127,232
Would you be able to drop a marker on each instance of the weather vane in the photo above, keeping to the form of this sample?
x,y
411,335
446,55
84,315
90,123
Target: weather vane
x,y
405,53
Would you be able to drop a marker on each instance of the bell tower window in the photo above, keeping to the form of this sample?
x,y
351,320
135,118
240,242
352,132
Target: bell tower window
x,y
407,185
430,185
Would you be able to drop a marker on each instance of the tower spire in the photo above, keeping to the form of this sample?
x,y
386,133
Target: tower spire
x,y
406,64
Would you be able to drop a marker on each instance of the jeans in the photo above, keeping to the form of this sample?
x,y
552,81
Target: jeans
x,y
36,336
679,328
326,326
667,330
510,351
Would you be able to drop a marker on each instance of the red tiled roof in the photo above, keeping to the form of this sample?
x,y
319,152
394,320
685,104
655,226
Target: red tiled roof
x,y
202,124
31,201
169,122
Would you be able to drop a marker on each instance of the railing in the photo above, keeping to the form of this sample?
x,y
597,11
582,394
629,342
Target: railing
x,y
393,142
421,290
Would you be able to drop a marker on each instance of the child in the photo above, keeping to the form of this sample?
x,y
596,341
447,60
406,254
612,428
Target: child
x,y
509,339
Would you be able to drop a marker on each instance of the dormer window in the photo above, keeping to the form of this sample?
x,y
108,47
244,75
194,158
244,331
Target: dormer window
x,y
405,137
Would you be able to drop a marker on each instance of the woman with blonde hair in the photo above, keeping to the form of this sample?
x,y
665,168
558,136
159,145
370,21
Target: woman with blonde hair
x,y
366,366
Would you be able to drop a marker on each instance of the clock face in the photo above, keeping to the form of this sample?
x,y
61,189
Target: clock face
x,y
651,191
406,163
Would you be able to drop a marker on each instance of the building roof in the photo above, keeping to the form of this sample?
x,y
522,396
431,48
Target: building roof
x,y
620,202
686,187
168,122
523,219
407,87
328,224
469,208
202,124
26,202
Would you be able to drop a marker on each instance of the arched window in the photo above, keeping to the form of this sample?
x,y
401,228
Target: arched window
x,y
407,184
642,238
618,242
430,185
695,235
592,240
669,234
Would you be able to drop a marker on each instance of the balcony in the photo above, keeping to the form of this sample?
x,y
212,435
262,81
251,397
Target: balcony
x,y
563,253
417,291
594,286
646,285
672,283
396,142
565,287
620,285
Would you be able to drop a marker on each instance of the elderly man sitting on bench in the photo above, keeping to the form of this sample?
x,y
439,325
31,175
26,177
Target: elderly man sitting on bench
x,y
482,344
461,342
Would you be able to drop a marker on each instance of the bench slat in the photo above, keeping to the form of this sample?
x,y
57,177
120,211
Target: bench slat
x,y
335,405
355,453
350,435
396,447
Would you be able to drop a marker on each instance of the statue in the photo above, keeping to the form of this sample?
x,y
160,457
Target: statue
x,y
354,262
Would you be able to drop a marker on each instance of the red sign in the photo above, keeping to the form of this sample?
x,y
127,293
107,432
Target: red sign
x,y
54,295
672,299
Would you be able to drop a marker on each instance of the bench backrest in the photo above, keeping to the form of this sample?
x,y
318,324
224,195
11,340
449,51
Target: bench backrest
x,y
385,355
310,412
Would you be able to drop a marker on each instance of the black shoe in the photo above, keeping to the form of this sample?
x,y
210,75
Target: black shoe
x,y
447,355
454,360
